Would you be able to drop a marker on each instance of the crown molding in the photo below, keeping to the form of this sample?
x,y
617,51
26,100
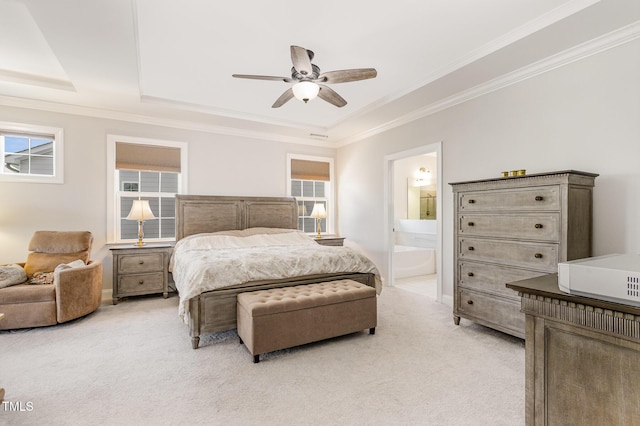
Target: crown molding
x,y
158,121
36,80
593,47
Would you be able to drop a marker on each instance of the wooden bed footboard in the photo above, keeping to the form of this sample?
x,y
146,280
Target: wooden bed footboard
x,y
216,310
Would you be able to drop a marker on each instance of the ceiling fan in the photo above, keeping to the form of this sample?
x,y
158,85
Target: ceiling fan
x,y
309,82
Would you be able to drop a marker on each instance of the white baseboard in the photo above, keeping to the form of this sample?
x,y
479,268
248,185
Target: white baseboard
x,y
447,300
106,296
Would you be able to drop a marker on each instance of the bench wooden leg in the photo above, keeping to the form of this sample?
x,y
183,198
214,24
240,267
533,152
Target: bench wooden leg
x,y
372,330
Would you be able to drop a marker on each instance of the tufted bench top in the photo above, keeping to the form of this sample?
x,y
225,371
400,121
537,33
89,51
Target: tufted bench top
x,y
286,299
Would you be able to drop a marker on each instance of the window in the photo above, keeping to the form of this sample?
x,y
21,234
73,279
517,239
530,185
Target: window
x,y
31,153
146,170
309,180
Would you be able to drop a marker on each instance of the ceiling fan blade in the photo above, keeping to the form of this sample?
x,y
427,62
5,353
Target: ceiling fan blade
x,y
344,76
283,99
328,94
263,77
301,60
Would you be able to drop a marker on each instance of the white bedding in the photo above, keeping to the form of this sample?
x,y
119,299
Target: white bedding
x,y
205,262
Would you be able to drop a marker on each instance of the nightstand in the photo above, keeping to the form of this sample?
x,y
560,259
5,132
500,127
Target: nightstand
x,y
140,270
330,241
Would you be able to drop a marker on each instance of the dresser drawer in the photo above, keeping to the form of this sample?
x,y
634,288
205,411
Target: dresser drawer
x,y
491,278
141,283
503,313
545,198
538,256
143,262
534,226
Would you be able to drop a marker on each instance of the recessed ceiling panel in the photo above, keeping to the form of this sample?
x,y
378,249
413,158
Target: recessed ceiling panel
x,y
188,50
25,55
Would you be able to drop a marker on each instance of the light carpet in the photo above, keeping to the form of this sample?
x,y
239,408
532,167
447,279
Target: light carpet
x,y
132,364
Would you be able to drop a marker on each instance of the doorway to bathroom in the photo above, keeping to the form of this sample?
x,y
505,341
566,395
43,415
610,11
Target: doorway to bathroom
x,y
413,219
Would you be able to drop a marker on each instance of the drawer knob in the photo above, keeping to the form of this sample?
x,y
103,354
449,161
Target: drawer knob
x,y
471,224
471,248
469,302
469,274
141,282
141,262
472,201
538,226
538,255
539,198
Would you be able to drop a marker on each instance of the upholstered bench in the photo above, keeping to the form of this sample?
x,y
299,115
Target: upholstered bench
x,y
279,318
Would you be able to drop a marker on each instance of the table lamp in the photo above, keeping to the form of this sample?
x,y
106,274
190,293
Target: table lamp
x,y
318,212
140,211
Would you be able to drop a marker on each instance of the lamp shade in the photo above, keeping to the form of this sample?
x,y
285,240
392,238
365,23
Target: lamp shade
x,y
305,90
318,211
140,210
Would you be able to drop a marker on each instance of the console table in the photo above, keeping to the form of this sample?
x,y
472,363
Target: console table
x,y
582,357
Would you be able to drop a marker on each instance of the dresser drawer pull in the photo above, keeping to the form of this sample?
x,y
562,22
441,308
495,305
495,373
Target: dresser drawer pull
x,y
539,198
471,248
538,255
141,282
469,302
469,274
538,226
471,224
471,201
141,262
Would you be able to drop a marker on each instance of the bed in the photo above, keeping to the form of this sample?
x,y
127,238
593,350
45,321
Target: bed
x,y
203,220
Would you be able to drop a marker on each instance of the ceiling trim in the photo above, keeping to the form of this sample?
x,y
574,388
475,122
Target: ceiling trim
x,y
157,121
36,80
229,114
553,16
600,44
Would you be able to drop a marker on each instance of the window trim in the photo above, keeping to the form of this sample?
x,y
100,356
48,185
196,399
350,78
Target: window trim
x,y
331,212
58,152
112,185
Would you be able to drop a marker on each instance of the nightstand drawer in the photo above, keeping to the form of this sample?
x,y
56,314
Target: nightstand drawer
x,y
538,199
141,283
133,264
538,226
538,256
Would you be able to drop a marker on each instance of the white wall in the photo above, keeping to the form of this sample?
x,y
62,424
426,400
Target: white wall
x,y
584,116
218,165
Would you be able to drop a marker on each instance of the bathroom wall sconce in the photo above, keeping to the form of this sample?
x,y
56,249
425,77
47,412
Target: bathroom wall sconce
x,y
423,177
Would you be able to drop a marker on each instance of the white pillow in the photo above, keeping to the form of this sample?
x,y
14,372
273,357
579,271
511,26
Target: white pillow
x,y
61,267
11,275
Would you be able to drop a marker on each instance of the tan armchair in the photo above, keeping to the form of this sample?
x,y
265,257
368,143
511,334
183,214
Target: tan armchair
x,y
75,291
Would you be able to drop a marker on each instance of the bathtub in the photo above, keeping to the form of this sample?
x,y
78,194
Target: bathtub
x,y
412,261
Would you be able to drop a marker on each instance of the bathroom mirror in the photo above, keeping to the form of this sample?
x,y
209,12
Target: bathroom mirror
x,y
421,201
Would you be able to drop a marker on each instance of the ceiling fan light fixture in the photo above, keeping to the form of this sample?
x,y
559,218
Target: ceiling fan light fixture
x,y
305,90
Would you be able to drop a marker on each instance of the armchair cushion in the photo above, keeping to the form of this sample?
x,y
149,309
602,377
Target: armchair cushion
x,y
51,248
12,275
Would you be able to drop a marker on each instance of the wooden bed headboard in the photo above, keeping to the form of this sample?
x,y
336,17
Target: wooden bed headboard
x,y
196,214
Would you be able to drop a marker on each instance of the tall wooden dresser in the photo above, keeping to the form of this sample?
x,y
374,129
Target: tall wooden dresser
x,y
510,229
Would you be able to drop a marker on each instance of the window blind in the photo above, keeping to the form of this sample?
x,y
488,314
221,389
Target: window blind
x,y
130,156
310,170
